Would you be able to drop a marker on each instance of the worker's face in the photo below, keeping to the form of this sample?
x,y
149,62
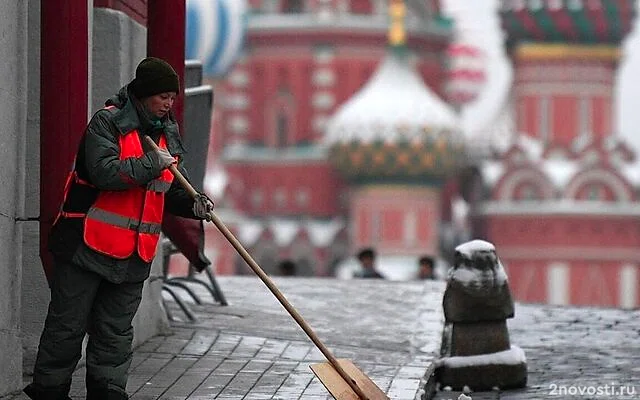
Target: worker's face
x,y
160,104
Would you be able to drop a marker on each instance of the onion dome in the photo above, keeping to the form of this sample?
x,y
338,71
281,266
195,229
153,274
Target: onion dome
x,y
465,73
215,33
573,21
394,127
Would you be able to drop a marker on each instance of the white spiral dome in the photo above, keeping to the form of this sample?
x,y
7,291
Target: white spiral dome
x,y
395,104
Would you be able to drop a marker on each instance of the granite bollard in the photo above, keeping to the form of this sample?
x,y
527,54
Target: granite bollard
x,y
476,351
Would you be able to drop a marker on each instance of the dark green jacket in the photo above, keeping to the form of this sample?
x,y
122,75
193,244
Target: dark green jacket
x,y
98,163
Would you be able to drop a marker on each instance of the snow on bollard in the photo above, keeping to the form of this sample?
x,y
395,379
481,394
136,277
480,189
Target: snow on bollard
x,y
477,303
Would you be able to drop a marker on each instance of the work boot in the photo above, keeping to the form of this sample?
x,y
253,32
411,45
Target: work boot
x,y
36,392
111,394
101,390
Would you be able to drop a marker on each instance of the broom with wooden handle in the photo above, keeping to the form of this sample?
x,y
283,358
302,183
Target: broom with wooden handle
x,y
373,393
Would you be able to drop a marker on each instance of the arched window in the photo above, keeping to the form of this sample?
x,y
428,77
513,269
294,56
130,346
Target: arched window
x,y
598,185
282,129
529,192
595,192
525,184
282,117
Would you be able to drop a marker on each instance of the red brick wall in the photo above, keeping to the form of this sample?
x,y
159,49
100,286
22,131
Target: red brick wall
x,y
317,179
388,207
136,9
564,115
593,249
540,231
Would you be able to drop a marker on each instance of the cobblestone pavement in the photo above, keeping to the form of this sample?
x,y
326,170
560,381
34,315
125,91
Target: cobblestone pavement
x,y
253,349
574,353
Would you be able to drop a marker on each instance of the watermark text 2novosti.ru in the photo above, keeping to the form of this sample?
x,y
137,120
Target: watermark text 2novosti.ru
x,y
612,390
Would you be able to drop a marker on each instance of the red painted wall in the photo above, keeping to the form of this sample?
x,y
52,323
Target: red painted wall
x,y
361,6
564,126
167,20
601,111
63,99
390,206
527,279
594,283
593,248
136,9
318,179
530,120
563,83
564,231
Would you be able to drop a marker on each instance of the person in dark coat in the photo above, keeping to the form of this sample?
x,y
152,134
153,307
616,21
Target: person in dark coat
x,y
426,266
367,258
287,268
97,286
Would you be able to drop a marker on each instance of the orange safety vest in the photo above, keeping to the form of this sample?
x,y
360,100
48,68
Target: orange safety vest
x,y
121,222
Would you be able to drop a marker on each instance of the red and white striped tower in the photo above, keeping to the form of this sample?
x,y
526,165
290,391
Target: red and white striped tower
x,y
465,74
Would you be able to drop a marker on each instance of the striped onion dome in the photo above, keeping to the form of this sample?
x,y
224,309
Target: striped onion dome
x,y
465,73
215,33
574,21
395,128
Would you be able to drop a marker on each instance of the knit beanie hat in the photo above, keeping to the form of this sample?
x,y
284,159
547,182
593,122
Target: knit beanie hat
x,y
154,76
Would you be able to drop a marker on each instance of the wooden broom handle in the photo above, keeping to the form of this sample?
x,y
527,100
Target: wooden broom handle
x,y
267,281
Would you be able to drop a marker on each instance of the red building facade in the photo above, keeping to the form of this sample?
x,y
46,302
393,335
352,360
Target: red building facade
x,y
561,202
303,60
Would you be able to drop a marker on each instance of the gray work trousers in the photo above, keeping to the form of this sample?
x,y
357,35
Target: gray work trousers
x,y
82,301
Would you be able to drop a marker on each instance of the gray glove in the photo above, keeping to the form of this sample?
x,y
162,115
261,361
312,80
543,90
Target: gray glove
x,y
203,207
165,159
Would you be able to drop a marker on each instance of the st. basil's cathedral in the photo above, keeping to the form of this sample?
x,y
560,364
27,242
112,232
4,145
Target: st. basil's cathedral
x,y
338,128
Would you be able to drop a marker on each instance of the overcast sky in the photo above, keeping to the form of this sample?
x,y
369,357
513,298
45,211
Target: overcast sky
x,y
478,19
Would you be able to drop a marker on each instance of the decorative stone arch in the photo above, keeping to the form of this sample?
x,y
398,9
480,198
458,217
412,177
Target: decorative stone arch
x,y
512,179
603,177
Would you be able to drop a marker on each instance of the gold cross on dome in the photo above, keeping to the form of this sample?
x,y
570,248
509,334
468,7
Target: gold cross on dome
x,y
397,12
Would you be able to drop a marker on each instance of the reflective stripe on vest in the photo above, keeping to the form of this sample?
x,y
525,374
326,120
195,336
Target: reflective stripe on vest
x,y
123,222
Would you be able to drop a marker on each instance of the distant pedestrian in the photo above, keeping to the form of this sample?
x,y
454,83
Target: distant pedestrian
x,y
287,268
105,236
426,267
367,258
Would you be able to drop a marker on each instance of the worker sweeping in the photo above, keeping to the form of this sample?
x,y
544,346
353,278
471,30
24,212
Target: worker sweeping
x,y
106,235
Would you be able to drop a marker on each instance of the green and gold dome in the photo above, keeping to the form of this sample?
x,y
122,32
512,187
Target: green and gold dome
x,y
567,21
395,129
